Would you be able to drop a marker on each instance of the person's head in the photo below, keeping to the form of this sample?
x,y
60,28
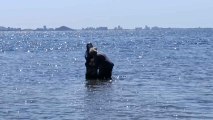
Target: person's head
x,y
93,51
89,45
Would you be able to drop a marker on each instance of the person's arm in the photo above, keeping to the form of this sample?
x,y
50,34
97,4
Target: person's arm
x,y
86,55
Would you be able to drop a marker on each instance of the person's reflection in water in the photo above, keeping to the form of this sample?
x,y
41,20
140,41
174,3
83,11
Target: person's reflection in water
x,y
92,84
97,99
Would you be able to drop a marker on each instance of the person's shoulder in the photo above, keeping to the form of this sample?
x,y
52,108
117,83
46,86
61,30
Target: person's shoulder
x,y
101,54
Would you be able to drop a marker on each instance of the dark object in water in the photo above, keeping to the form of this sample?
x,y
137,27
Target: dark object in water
x,y
91,69
87,55
91,73
104,65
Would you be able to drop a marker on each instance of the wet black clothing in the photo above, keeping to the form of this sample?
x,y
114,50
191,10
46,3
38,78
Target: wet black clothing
x,y
91,71
87,56
104,65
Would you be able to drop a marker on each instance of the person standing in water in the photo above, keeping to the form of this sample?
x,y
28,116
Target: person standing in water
x,y
91,68
103,64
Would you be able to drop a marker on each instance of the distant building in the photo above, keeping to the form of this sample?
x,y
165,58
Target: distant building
x,y
88,28
118,28
13,29
102,28
27,29
147,27
39,29
155,28
9,29
138,28
45,27
50,29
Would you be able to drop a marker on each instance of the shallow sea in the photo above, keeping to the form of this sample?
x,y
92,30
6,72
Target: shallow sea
x,y
158,74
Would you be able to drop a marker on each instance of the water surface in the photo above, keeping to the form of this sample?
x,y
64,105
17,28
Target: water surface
x,y
158,74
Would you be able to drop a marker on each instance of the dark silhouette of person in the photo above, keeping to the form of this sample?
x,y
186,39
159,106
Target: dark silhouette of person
x,y
103,63
91,68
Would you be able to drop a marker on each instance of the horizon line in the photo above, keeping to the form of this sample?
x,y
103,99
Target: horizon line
x,y
93,27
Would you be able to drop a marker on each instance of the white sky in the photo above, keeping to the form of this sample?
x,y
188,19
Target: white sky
x,y
111,13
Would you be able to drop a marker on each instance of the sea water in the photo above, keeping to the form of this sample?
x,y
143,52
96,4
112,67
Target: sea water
x,y
158,74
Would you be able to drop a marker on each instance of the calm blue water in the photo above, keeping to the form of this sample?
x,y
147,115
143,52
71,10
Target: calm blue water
x,y
158,74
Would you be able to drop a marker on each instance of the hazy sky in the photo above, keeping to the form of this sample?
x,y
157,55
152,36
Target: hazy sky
x,y
111,13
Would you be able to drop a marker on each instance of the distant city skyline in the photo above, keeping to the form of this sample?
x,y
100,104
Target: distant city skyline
x,y
77,14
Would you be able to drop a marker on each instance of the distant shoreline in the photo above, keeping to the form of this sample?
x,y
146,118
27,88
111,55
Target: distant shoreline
x,y
65,28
